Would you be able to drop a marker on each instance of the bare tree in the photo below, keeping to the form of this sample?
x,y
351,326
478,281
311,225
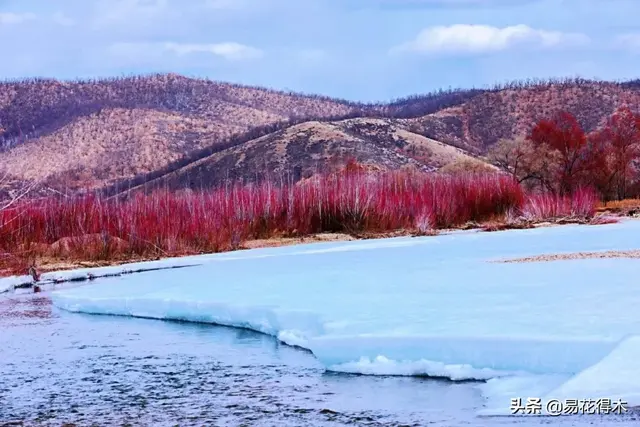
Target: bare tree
x,y
513,156
14,195
9,203
526,162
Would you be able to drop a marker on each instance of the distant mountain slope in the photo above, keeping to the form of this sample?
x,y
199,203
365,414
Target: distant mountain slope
x,y
311,147
34,107
89,134
178,131
484,119
97,132
110,145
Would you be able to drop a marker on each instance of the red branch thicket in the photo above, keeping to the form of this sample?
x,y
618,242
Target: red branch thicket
x,y
582,203
173,223
355,201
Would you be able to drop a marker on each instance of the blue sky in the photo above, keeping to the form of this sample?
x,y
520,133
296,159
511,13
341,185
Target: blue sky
x,y
363,50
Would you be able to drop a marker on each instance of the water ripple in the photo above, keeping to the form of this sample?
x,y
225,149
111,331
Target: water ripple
x,y
82,370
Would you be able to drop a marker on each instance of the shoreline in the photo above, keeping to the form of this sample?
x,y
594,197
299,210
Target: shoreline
x,y
58,270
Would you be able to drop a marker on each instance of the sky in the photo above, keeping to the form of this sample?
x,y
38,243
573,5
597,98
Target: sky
x,y
361,50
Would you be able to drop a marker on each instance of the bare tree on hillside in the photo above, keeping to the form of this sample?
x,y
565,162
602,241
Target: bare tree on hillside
x,y
14,195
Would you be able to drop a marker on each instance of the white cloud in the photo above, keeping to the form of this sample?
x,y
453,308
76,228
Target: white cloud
x,y
137,52
16,18
476,39
229,50
171,56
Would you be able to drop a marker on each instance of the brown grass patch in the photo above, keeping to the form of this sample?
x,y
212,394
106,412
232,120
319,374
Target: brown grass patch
x,y
635,254
288,241
629,207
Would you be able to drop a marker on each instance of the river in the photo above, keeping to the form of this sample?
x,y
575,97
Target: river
x,y
58,367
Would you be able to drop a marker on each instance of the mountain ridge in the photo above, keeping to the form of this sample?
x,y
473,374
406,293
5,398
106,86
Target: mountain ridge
x,y
122,132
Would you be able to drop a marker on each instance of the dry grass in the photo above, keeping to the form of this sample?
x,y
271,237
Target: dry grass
x,y
53,263
635,254
467,165
620,206
289,241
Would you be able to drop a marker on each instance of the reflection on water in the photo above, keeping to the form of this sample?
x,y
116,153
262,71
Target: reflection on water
x,y
58,367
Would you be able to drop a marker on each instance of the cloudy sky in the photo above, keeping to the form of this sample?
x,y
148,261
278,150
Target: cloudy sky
x,y
357,49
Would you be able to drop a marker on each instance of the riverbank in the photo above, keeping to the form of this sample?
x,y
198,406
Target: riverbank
x,y
52,270
46,264
93,230
54,235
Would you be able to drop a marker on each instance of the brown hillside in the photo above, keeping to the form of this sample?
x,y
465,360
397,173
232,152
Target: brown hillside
x,y
109,145
78,134
177,130
484,119
31,108
312,147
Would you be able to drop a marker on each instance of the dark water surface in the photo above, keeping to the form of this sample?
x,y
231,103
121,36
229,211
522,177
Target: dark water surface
x,y
58,367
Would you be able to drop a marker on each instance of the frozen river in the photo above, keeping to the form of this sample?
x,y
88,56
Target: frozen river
x,y
61,367
443,333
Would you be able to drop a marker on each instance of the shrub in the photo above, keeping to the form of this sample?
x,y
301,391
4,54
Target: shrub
x,y
174,223
170,223
581,204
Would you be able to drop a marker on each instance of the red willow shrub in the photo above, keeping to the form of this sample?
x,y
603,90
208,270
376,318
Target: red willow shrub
x,y
173,223
581,204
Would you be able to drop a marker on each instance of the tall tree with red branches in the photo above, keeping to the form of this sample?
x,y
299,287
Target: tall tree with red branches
x,y
564,135
622,135
598,169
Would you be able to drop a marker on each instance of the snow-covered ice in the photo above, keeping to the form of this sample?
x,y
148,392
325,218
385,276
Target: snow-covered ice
x,y
9,283
617,376
421,306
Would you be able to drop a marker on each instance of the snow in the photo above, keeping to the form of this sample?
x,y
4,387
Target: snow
x,y
508,354
380,365
432,306
617,376
9,283
499,391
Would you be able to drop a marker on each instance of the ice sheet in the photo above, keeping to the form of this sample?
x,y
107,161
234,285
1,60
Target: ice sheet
x,y
617,376
413,306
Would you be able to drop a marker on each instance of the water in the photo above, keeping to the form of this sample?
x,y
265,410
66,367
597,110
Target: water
x,y
58,367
